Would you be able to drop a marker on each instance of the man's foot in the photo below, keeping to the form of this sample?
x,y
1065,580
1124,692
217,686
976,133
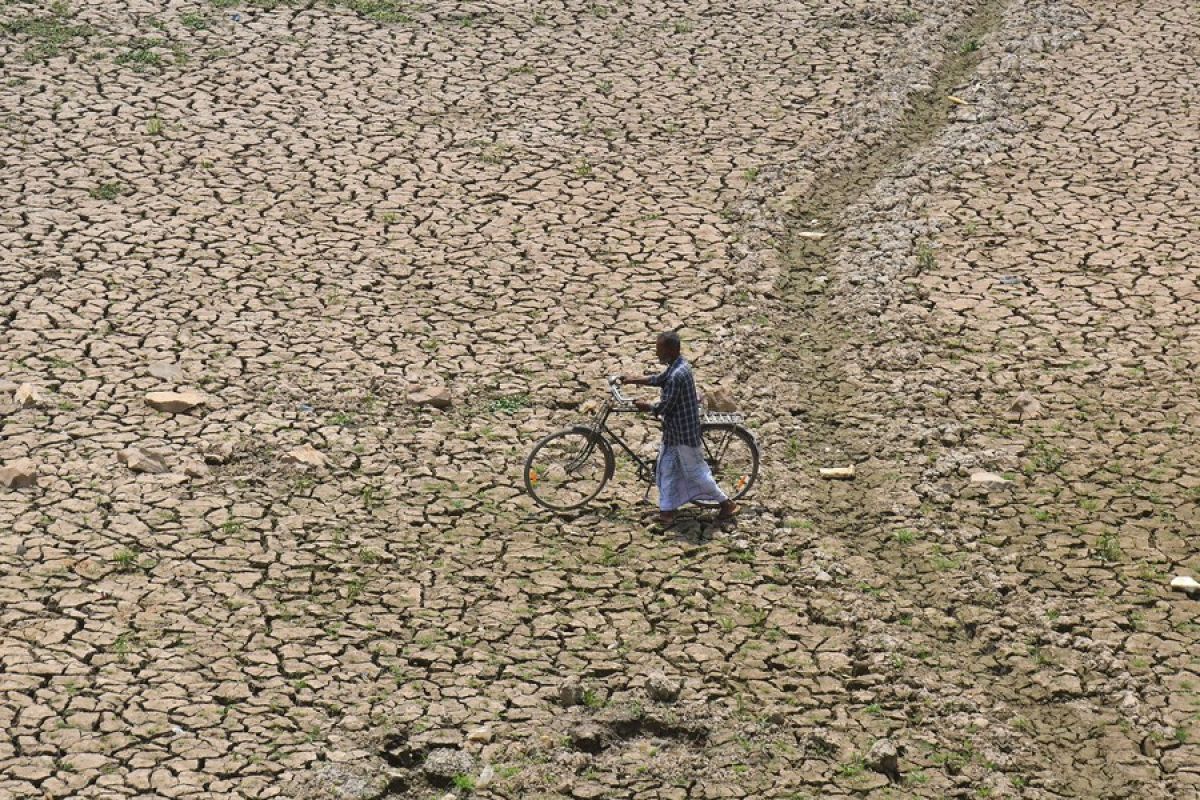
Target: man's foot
x,y
666,519
729,510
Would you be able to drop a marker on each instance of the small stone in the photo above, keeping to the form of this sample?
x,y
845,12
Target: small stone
x,y
570,692
481,734
1025,406
220,452
166,370
823,577
27,395
884,758
587,737
838,473
175,402
19,474
8,387
1185,583
990,480
435,396
140,460
305,455
662,689
195,469
443,764
486,776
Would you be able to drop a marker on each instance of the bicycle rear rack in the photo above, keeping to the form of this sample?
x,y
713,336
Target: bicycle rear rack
x,y
720,418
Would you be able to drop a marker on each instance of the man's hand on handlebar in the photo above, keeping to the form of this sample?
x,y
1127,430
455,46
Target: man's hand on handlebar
x,y
642,405
634,380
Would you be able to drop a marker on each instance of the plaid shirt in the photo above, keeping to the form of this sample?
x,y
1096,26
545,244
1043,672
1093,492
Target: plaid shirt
x,y
679,409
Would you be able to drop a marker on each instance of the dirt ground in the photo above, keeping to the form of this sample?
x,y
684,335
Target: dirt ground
x,y
953,244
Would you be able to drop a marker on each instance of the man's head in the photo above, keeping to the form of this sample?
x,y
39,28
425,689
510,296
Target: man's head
x,y
667,347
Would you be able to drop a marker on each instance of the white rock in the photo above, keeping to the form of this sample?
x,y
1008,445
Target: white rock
x,y
306,455
838,473
486,776
27,395
175,402
140,460
19,474
435,396
1185,583
480,734
990,480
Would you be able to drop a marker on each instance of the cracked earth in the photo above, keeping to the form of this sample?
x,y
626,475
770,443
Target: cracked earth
x,y
287,291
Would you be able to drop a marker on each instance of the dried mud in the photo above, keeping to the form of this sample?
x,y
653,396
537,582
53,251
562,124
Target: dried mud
x,y
316,215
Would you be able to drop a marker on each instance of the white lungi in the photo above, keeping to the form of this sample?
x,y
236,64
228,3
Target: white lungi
x,y
684,477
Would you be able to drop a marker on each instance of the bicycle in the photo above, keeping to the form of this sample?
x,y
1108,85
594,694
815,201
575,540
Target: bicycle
x,y
567,469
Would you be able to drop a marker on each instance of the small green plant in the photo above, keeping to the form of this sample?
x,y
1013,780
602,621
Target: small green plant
x,y
592,700
969,46
154,126
126,560
141,54
342,419
1108,548
583,168
231,527
905,536
381,10
123,645
925,259
853,768
751,174
371,496
110,190
509,404
464,782
193,21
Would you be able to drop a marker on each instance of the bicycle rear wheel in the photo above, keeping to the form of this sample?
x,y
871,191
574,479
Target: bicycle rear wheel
x,y
732,455
565,470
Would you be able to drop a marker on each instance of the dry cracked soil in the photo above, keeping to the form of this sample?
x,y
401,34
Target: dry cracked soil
x,y
372,250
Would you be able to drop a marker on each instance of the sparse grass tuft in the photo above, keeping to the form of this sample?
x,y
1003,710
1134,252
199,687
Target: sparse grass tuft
x,y
1108,548
47,34
509,404
109,190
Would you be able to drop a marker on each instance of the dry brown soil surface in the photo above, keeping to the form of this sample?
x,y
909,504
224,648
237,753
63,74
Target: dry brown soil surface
x,y
306,212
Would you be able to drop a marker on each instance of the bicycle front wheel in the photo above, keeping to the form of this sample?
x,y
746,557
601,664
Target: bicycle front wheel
x,y
567,469
732,455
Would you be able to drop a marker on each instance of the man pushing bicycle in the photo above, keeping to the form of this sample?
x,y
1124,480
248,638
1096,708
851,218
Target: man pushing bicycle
x,y
682,473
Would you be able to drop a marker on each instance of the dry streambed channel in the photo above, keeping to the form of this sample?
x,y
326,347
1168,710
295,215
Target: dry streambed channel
x,y
288,289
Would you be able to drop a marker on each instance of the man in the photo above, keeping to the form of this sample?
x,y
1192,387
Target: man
x,y
683,474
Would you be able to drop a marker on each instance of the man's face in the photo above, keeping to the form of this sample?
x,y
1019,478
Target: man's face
x,y
665,356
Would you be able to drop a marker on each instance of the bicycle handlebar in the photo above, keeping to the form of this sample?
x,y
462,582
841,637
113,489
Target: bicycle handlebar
x,y
614,387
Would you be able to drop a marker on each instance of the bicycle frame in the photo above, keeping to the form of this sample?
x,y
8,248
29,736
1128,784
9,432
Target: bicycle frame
x,y
619,404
